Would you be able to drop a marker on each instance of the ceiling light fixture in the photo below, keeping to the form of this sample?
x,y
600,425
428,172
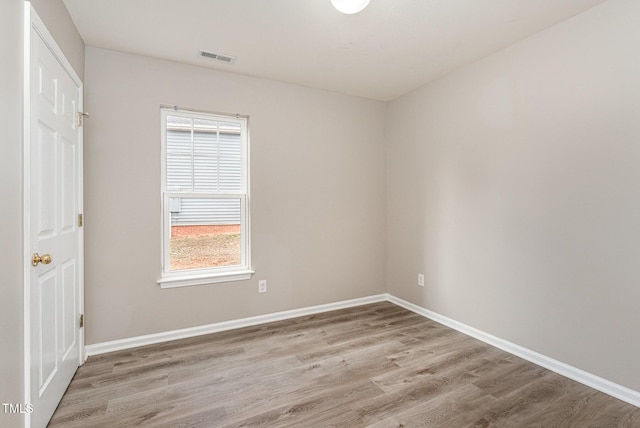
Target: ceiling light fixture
x,y
350,6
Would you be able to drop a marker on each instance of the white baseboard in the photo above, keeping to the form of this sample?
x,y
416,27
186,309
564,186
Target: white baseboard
x,y
613,389
618,391
149,339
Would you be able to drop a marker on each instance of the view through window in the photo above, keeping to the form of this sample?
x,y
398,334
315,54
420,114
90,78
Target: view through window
x,y
204,192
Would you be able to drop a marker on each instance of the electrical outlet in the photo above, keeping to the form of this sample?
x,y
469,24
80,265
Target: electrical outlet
x,y
421,279
262,286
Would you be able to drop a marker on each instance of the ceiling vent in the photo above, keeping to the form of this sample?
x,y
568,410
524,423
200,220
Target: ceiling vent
x,y
227,59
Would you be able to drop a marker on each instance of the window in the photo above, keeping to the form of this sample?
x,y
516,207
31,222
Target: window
x,y
205,201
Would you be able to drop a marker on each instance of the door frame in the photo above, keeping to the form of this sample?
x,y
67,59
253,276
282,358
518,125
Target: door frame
x,y
32,20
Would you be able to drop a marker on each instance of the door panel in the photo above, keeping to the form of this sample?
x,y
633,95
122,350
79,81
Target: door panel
x,y
69,305
55,200
45,183
46,329
69,197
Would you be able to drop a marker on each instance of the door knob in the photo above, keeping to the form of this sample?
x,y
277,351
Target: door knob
x,y
45,259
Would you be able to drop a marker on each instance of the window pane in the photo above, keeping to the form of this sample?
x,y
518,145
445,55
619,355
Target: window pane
x,y
205,125
206,181
179,122
230,156
203,155
179,161
205,233
205,161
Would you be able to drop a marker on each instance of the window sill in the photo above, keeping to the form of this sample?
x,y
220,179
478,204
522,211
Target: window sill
x,y
210,278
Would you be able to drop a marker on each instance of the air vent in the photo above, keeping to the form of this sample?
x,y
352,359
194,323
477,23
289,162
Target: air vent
x,y
227,59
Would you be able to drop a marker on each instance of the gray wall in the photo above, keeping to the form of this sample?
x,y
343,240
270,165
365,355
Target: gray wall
x,y
317,187
11,209
514,185
56,18
58,21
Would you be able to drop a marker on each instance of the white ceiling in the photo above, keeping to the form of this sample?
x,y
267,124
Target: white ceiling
x,y
389,49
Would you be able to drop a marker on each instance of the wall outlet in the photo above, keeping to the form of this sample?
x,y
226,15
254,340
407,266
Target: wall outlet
x,y
262,286
421,279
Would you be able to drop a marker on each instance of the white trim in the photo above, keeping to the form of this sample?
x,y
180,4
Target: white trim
x,y
81,338
190,277
26,209
187,280
603,385
149,339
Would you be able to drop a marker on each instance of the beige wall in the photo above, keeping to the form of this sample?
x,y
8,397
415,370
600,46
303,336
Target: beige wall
x,y
58,21
514,185
511,185
317,188
11,172
11,12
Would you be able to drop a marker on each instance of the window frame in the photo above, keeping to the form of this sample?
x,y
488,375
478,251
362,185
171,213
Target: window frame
x,y
211,275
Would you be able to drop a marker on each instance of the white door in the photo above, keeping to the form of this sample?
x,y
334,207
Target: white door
x,y
53,176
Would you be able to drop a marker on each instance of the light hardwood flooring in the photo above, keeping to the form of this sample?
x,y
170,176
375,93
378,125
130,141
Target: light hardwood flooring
x,y
376,365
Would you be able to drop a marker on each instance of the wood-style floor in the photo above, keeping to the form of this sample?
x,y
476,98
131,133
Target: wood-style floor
x,y
377,365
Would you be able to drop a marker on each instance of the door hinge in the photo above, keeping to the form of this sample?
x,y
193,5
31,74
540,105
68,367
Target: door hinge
x,y
80,118
79,220
81,320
